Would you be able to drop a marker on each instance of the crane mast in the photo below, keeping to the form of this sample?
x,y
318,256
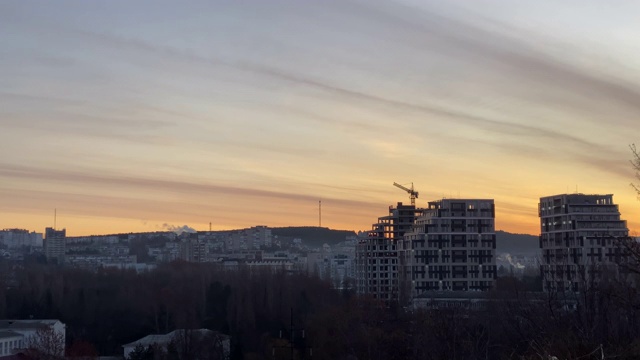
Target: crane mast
x,y
412,193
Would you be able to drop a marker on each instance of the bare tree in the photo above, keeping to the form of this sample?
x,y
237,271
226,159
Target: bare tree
x,y
635,162
212,346
197,344
632,248
142,353
46,344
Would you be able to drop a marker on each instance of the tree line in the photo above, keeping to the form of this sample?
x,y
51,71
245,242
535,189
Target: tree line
x,y
107,308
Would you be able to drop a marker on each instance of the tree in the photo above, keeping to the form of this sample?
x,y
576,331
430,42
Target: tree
x,y
198,344
633,247
82,350
141,353
635,162
46,344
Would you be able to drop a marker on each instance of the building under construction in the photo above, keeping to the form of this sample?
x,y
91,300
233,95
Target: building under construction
x,y
377,253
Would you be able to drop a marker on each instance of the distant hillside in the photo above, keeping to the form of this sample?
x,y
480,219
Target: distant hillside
x,y
312,236
517,244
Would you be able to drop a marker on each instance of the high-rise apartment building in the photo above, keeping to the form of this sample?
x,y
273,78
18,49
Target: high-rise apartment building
x,y
18,238
450,248
377,253
583,240
54,244
192,249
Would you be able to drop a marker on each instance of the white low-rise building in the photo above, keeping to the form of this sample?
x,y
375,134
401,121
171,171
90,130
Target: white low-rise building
x,y
20,334
10,342
203,343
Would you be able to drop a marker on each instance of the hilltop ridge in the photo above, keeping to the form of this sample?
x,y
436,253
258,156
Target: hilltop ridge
x,y
313,236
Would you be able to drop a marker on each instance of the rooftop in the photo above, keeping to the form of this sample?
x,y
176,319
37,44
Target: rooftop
x,y
9,334
26,324
161,339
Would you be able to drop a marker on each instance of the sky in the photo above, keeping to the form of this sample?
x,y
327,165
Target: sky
x,y
130,116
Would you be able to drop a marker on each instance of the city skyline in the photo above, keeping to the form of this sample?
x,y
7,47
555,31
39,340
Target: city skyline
x,y
128,116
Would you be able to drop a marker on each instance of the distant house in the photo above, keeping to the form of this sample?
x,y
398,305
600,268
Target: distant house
x,y
196,344
47,336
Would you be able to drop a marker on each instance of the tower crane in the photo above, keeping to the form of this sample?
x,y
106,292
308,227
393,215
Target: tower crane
x,y
412,193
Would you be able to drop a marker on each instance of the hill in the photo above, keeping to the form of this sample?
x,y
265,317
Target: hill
x,y
311,236
516,244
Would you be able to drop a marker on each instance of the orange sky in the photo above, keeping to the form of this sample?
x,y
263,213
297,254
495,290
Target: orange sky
x,y
126,116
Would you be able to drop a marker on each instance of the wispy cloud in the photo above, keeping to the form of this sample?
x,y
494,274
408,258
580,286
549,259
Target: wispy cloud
x,y
71,177
361,90
570,85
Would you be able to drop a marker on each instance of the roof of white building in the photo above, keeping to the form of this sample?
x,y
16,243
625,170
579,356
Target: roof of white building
x,y
26,324
150,340
9,334
161,339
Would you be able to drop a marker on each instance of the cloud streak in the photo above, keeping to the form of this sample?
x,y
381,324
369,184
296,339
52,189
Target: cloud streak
x,y
492,49
18,172
292,105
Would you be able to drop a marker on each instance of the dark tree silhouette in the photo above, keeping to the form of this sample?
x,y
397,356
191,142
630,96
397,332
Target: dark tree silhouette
x,y
635,162
82,350
142,353
109,308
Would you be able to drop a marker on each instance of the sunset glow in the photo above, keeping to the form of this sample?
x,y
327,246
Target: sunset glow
x,y
126,116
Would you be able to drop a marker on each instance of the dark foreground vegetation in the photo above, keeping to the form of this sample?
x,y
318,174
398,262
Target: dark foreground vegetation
x,y
109,308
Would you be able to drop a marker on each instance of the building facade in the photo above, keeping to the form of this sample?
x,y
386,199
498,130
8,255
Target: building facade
x,y
583,241
192,249
337,268
55,244
18,238
450,248
377,253
10,343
